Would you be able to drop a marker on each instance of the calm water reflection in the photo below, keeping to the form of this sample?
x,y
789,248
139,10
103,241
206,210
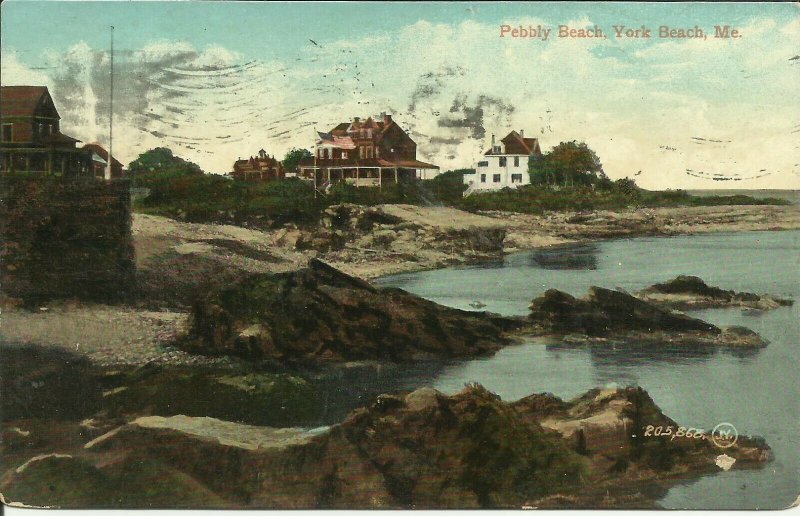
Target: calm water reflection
x,y
756,391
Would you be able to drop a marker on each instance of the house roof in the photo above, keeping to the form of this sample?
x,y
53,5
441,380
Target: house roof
x,y
59,138
100,151
515,144
22,100
378,126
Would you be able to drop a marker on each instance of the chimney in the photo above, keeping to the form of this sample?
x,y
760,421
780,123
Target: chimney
x,y
387,119
492,141
522,133
356,119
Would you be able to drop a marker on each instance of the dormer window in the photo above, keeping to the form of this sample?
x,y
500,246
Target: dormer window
x,y
496,149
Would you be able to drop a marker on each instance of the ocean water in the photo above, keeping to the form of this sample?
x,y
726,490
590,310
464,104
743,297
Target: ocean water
x,y
793,196
757,391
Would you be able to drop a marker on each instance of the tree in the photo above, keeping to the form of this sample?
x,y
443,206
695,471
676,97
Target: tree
x,y
568,164
293,157
161,159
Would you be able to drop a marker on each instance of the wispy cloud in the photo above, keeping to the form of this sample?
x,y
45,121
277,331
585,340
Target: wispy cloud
x,y
451,86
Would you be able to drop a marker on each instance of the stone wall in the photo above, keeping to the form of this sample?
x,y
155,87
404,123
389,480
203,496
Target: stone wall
x,y
65,239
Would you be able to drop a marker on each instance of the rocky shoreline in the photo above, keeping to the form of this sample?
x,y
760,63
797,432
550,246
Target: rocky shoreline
x,y
213,360
420,450
523,232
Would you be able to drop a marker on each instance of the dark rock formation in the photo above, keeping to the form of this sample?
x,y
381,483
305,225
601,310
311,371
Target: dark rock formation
x,y
413,236
606,314
343,223
691,292
72,481
254,397
321,313
40,382
420,450
605,311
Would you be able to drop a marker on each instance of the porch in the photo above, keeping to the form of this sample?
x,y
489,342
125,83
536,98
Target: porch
x,y
43,161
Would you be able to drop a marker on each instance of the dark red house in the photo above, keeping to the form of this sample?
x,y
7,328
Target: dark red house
x,y
100,161
30,137
364,153
260,168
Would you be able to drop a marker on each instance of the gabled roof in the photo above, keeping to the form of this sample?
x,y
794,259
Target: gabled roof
x,y
100,151
378,126
59,138
517,145
340,128
22,100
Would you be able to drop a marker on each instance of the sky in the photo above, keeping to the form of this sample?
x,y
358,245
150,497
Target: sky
x,y
215,81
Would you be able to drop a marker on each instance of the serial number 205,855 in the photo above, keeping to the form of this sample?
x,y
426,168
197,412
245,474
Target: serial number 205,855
x,y
673,432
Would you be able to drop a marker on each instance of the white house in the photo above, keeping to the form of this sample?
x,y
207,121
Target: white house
x,y
504,165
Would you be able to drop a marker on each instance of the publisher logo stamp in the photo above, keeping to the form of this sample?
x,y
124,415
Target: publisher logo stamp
x,y
724,435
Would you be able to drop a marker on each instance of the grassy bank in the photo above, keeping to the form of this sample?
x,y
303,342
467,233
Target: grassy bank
x,y
213,198
612,196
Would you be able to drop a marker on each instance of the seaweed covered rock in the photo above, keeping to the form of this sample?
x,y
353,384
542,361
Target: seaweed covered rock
x,y
604,315
41,382
74,481
606,311
321,313
418,450
691,292
249,397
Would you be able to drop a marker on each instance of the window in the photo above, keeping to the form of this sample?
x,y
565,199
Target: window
x,y
516,178
496,149
344,154
483,178
8,132
502,161
496,178
483,164
49,128
516,161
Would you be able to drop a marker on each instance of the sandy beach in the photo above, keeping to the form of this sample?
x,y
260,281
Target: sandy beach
x,y
177,258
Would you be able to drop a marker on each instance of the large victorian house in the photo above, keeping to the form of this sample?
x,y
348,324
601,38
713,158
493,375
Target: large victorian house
x,y
504,164
30,137
259,168
364,153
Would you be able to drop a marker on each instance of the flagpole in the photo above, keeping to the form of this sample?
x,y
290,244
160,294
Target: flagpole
x,y
314,150
111,113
